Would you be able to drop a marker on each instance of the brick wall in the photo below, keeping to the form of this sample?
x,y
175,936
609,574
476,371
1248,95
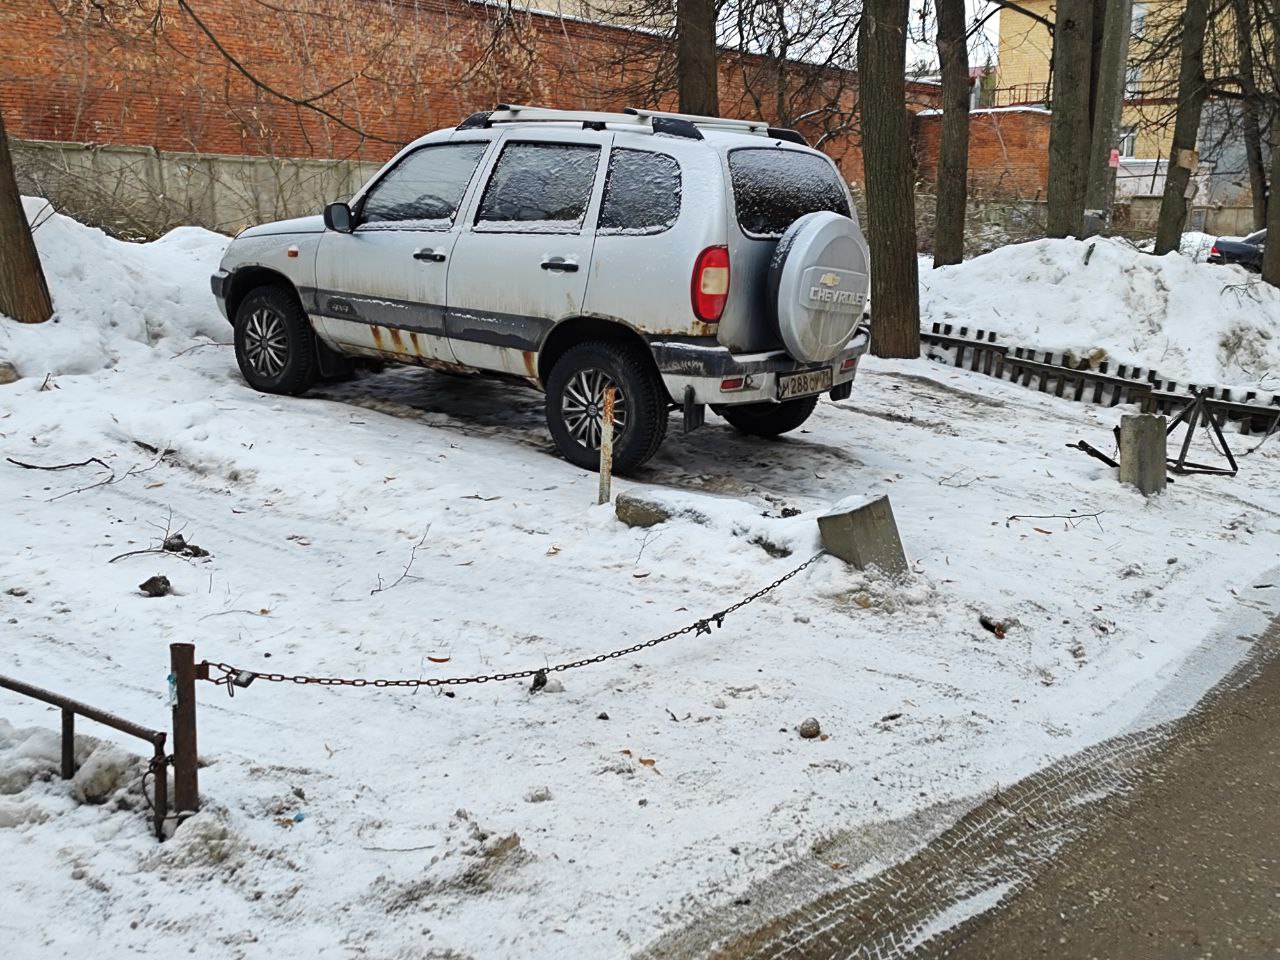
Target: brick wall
x,y
1008,152
145,73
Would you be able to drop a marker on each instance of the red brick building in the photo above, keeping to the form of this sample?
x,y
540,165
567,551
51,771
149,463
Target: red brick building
x,y
247,76
1008,151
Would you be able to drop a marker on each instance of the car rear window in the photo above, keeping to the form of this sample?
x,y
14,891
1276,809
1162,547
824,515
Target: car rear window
x,y
1259,237
542,187
641,192
773,188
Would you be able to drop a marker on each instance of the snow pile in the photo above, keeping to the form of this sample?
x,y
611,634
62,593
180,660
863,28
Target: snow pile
x,y
1191,322
113,299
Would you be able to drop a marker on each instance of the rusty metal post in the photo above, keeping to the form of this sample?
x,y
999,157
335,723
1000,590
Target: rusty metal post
x,y
68,743
186,777
606,447
160,770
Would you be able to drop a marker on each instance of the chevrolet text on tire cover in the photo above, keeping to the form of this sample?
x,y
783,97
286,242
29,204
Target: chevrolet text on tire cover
x,y
684,261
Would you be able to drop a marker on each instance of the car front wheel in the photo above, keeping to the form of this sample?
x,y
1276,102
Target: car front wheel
x,y
575,404
275,346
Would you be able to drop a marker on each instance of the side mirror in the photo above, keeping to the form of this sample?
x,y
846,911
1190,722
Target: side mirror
x,y
337,216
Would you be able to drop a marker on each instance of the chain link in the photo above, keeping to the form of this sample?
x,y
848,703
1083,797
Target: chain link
x,y
232,677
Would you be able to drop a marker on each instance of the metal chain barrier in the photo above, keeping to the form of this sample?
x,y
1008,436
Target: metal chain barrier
x,y
232,677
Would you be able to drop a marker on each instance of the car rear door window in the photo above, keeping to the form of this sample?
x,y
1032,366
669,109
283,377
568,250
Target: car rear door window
x,y
540,188
773,188
641,192
423,191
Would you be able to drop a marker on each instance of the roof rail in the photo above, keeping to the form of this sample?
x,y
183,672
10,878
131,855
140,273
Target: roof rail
x,y
714,123
673,124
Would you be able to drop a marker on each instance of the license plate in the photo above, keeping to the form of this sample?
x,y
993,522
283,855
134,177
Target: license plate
x,y
803,384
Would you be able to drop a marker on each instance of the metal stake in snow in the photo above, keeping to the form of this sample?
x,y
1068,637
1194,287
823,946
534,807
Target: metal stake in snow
x,y
606,447
186,776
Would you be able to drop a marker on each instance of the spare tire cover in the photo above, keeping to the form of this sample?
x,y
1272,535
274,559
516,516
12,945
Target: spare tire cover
x,y
818,283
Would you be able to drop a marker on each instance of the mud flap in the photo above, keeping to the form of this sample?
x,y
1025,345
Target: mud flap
x,y
332,365
842,391
695,414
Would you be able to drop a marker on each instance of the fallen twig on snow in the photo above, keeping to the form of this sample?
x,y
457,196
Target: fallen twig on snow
x,y
198,346
131,472
171,541
413,555
58,466
1074,518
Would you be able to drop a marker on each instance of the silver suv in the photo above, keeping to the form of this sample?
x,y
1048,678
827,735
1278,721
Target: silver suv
x,y
686,261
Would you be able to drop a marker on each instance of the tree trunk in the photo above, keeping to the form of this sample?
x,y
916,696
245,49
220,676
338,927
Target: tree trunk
x,y
1108,107
886,152
1256,161
1069,125
1183,159
24,295
1271,259
953,152
1250,118
1098,31
696,78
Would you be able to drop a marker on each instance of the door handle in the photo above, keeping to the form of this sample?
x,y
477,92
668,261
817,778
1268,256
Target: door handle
x,y
560,265
435,256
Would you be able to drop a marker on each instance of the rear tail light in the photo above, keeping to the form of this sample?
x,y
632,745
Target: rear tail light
x,y
1213,251
710,287
849,364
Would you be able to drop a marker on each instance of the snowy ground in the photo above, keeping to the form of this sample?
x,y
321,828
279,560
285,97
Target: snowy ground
x,y
344,822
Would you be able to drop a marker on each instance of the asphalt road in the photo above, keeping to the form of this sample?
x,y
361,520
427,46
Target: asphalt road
x,y
1186,866
1159,844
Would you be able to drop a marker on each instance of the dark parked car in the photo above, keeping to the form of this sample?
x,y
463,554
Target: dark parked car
x,y
1246,251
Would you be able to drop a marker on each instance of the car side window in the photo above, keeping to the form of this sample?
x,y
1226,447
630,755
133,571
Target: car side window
x,y
539,188
423,191
641,192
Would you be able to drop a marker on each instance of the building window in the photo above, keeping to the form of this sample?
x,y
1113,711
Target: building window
x,y
1133,82
1128,141
1139,21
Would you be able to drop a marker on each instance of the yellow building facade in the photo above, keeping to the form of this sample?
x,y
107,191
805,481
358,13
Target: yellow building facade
x,y
1024,73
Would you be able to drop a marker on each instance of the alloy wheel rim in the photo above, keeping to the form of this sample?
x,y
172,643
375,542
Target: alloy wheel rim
x,y
582,407
266,344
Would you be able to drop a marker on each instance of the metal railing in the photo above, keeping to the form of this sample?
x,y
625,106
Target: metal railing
x,y
157,738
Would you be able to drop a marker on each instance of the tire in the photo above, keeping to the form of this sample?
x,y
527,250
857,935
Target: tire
x,y
640,414
275,345
770,419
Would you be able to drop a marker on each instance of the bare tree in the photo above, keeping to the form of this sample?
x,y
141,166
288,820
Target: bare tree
x,y
696,69
1108,104
1069,130
1251,111
1271,259
1183,161
895,291
953,151
24,295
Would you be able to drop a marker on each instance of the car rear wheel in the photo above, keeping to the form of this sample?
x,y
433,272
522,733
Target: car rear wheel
x,y
275,345
770,419
575,404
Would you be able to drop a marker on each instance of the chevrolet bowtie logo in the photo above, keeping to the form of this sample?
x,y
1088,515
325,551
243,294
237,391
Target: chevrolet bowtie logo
x,y
829,280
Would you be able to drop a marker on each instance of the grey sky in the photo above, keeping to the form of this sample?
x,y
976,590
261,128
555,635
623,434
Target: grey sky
x,y
982,47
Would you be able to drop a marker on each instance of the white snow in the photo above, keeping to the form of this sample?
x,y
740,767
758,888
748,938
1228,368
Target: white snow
x,y
496,823
1191,321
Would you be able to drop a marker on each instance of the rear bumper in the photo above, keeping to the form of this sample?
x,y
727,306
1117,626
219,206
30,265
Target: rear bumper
x,y
704,366
218,283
